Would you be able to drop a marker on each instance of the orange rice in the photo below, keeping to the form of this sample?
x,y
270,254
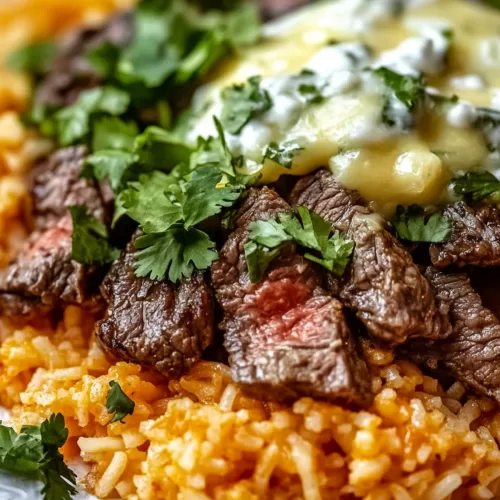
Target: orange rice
x,y
200,437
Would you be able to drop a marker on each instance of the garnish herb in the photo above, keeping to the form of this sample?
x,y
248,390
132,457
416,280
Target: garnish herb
x,y
413,224
34,58
488,121
34,453
118,403
477,186
90,243
282,154
308,87
243,102
309,230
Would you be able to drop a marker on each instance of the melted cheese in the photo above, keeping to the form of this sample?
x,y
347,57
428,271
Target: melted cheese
x,y
390,165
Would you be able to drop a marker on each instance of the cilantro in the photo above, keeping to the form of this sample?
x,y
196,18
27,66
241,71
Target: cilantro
x,y
104,58
34,58
308,87
412,224
477,186
109,132
108,164
147,202
118,403
266,238
488,121
90,243
73,123
282,154
407,89
176,253
34,453
241,103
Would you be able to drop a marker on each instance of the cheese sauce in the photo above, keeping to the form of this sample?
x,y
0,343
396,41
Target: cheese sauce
x,y
454,45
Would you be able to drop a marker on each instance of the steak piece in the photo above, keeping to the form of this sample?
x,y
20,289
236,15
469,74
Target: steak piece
x,y
475,239
472,352
159,324
71,73
44,277
286,337
382,284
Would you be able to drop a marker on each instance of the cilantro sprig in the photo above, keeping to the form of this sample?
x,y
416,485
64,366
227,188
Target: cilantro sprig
x,y
477,186
282,154
413,224
34,58
34,453
118,403
309,230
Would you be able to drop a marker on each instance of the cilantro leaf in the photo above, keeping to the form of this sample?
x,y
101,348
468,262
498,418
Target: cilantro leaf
x,y
90,243
34,454
243,102
73,122
282,154
259,258
176,253
204,196
104,58
34,58
147,202
268,233
108,164
160,149
311,93
118,403
409,90
109,132
477,186
412,224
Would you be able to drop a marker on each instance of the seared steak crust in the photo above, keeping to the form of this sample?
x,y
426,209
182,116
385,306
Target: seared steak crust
x,y
475,239
71,73
381,284
286,336
472,352
44,276
155,323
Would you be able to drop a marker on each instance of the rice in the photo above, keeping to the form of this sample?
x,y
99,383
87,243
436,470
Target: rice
x,y
200,437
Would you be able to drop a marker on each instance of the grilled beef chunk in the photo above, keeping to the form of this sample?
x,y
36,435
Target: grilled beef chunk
x,y
274,8
381,284
472,352
475,239
44,277
155,323
286,336
71,73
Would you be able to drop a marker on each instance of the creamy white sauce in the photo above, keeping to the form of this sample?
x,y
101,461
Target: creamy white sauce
x,y
467,82
462,114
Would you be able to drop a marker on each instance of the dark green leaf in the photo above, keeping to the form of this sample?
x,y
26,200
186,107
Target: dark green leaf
x,y
258,259
282,154
104,59
477,186
109,132
409,90
118,403
268,233
412,224
108,164
175,254
241,103
34,58
90,243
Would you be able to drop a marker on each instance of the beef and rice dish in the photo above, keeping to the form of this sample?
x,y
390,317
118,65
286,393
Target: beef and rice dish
x,y
250,250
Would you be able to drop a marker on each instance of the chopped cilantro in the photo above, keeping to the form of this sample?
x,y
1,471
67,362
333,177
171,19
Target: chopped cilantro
x,y
243,102
309,230
477,186
34,58
176,253
488,121
282,154
111,132
34,453
90,243
311,93
412,224
73,124
104,58
118,403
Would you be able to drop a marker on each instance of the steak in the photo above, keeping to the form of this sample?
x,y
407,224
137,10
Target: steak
x,y
159,324
44,277
71,73
475,239
382,284
286,336
472,352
